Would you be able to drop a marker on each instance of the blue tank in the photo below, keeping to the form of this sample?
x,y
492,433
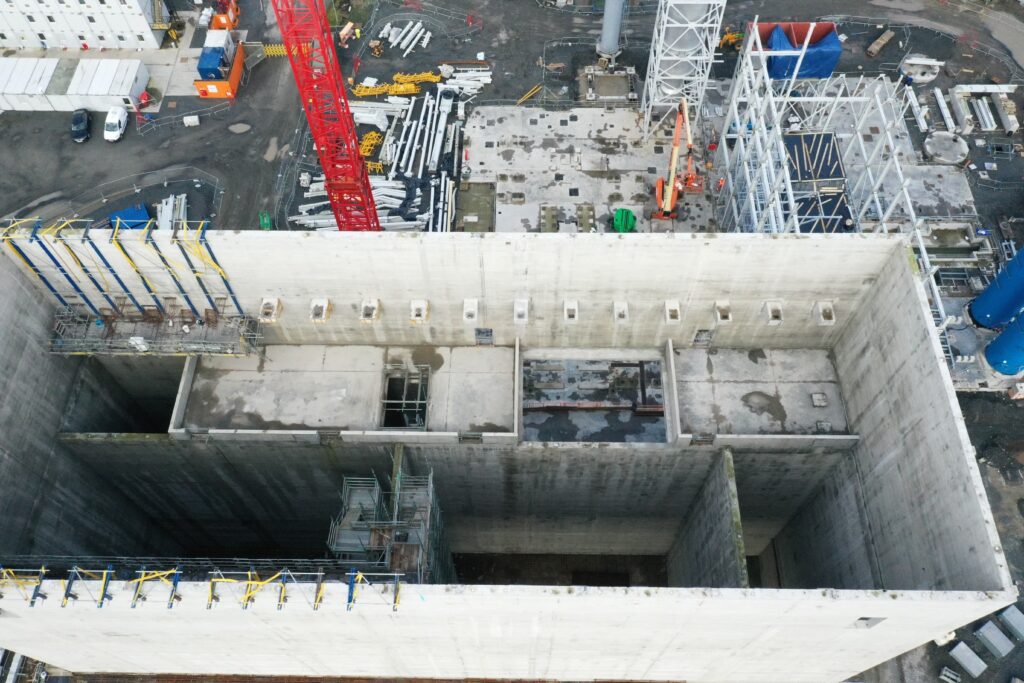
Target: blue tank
x,y
1003,298
1005,353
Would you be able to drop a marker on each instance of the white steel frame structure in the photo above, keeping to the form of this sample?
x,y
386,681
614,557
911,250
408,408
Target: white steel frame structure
x,y
866,114
682,50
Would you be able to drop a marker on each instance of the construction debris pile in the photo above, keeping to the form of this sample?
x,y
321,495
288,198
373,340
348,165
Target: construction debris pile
x,y
413,148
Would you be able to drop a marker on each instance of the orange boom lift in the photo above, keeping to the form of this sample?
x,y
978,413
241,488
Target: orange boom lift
x,y
666,192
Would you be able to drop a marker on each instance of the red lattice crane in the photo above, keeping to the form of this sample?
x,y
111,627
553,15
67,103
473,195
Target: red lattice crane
x,y
307,39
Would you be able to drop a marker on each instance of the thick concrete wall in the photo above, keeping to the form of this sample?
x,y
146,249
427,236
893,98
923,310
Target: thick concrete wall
x,y
241,498
276,497
828,543
501,632
50,503
708,551
930,522
772,485
644,271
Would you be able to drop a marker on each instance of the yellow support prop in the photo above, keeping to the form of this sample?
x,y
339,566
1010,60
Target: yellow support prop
x,y
370,91
530,93
422,77
374,167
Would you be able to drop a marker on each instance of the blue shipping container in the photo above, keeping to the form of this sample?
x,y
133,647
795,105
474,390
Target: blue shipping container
x,y
212,64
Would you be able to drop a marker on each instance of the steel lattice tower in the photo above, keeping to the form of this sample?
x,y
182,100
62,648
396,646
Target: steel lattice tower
x,y
682,49
307,37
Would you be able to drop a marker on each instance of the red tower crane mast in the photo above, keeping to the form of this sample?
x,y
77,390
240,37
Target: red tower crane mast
x,y
307,38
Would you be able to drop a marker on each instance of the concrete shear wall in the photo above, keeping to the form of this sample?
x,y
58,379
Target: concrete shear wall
x,y
49,502
642,270
930,522
708,550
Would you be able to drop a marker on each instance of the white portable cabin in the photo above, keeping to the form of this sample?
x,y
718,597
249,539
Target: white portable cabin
x,y
129,83
98,95
6,69
35,92
57,90
14,91
78,91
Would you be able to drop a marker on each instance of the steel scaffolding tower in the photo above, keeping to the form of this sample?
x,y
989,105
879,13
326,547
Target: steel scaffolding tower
x,y
307,36
682,49
762,188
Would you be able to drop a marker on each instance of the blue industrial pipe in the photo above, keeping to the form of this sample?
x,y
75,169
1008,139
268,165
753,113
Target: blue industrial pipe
x,y
1005,353
1003,298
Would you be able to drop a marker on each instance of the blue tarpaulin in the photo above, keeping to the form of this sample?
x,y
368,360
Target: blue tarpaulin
x,y
134,217
819,62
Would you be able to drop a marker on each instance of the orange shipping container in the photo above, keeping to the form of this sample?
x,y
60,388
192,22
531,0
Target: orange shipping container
x,y
226,89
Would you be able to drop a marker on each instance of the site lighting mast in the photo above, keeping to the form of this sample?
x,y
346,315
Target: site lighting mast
x,y
307,38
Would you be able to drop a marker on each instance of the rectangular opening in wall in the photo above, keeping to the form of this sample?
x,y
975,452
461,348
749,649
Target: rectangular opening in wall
x,y
596,400
405,397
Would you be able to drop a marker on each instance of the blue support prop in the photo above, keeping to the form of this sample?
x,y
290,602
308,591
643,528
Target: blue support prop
x,y
209,250
105,586
35,269
170,271
135,267
92,279
113,273
174,588
197,275
351,590
60,268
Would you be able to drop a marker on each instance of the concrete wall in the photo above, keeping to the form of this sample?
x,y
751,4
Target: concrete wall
x,y
497,269
828,543
930,522
231,497
708,551
508,632
50,503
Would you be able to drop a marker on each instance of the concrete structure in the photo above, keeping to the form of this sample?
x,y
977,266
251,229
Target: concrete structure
x,y
810,488
83,25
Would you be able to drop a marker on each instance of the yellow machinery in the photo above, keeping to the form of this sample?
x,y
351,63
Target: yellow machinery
x,y
667,190
731,39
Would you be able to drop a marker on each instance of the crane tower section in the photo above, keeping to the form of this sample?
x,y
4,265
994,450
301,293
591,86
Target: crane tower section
x,y
682,49
307,38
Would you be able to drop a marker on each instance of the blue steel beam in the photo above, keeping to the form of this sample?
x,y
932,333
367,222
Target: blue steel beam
x,y
95,283
135,267
148,236
113,273
220,270
19,252
195,272
60,268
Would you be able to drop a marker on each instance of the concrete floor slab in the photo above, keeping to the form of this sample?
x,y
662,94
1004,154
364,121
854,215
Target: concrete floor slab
x,y
553,162
340,388
759,391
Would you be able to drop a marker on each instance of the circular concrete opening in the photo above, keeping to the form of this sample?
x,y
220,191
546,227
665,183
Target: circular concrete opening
x,y
946,148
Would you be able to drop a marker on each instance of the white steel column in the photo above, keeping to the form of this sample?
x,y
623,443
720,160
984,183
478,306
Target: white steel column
x,y
682,49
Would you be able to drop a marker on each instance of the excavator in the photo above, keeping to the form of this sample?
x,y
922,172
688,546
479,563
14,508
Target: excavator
x,y
666,192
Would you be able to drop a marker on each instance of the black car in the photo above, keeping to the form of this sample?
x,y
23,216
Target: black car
x,y
81,125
